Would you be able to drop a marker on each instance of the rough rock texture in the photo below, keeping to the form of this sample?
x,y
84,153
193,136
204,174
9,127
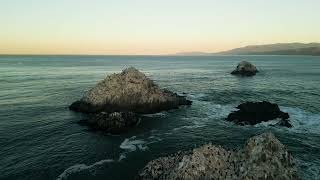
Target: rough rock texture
x,y
130,90
245,68
263,157
114,123
251,113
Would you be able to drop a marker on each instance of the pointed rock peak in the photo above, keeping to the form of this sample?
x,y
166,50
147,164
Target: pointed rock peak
x,y
130,90
131,70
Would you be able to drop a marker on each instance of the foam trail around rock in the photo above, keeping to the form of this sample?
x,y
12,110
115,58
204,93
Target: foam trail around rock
x,y
82,168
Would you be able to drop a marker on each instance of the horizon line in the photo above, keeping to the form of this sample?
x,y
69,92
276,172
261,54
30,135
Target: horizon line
x,y
173,54
176,55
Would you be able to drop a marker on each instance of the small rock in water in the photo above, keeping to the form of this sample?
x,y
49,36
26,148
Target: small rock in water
x,y
251,113
245,68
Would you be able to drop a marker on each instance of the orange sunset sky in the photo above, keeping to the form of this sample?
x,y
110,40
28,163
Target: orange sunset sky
x,y
152,27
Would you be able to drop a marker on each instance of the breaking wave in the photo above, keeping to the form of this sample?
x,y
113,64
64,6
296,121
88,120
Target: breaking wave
x,y
303,121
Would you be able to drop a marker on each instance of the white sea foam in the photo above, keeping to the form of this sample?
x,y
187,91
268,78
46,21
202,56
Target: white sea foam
x,y
132,144
212,110
160,114
267,123
303,121
82,168
122,156
196,96
218,111
189,127
206,112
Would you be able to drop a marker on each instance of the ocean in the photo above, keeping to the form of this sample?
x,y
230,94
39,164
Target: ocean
x,y
40,138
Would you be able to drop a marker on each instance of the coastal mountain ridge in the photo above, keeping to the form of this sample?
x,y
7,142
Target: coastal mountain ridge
x,y
268,49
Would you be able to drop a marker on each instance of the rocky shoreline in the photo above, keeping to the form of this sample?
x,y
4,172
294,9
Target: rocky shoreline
x,y
262,157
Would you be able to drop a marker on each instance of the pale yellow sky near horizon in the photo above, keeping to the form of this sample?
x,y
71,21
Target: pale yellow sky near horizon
x,y
152,27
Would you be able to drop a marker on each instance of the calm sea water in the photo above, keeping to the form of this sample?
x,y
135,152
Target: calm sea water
x,y
40,139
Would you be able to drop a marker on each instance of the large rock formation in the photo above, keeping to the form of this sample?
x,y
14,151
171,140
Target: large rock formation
x,y
251,113
245,68
130,90
263,157
114,123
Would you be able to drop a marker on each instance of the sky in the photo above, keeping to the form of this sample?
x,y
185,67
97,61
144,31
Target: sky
x,y
151,27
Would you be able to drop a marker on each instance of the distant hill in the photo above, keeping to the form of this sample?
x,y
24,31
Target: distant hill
x,y
312,49
277,49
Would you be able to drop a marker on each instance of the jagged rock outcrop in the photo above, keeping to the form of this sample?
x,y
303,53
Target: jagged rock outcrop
x,y
263,157
130,90
245,68
114,123
251,113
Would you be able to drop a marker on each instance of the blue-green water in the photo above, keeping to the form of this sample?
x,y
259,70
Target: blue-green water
x,y
40,139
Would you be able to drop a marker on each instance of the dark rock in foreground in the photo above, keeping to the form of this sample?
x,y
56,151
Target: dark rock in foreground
x,y
245,68
129,90
251,113
114,123
263,157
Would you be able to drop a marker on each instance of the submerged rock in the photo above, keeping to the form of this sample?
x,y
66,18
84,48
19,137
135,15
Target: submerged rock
x,y
245,68
263,157
130,90
251,113
114,123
